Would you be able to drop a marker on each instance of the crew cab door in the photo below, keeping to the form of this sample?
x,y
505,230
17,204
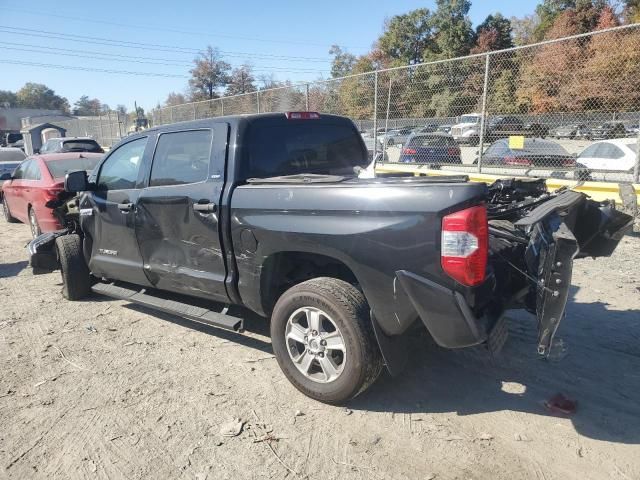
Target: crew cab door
x,y
178,213
107,215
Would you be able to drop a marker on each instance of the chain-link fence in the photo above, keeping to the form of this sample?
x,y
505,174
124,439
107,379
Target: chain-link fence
x,y
565,108
106,128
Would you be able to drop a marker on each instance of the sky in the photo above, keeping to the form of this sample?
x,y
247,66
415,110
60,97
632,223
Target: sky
x,y
289,39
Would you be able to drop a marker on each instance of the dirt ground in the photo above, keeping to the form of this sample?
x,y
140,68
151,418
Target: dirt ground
x,y
104,389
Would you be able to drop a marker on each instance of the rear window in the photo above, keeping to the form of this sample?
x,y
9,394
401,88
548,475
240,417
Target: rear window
x,y
82,146
8,167
59,168
433,141
12,156
303,147
543,148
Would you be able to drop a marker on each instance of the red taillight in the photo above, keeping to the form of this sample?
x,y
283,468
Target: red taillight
x,y
52,193
453,151
302,115
517,161
409,151
568,162
464,249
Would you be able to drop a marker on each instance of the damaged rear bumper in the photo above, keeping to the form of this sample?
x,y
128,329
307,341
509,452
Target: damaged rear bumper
x,y
551,236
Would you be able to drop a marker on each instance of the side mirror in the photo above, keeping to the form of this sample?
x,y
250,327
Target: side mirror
x,y
5,176
76,182
36,151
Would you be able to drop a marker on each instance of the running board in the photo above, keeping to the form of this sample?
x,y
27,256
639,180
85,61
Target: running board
x,y
184,310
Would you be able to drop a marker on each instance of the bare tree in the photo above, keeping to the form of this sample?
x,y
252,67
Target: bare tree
x,y
209,73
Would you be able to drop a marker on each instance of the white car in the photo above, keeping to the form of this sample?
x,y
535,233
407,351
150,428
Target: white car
x,y
617,155
468,129
395,136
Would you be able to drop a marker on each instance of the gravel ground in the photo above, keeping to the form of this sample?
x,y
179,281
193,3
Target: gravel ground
x,y
104,389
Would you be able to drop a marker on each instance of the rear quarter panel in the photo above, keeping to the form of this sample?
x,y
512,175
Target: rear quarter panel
x,y
374,229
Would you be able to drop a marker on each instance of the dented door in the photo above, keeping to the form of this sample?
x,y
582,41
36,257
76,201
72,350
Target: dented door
x,y
177,218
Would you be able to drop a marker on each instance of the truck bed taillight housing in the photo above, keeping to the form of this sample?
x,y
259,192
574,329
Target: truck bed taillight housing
x,y
465,245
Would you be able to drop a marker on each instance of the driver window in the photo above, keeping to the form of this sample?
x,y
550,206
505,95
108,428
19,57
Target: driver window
x,y
120,170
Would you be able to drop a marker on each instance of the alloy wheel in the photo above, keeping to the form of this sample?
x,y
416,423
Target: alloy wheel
x,y
315,345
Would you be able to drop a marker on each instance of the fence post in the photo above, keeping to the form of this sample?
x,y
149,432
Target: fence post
x,y
171,115
483,112
636,168
306,96
375,116
258,98
386,121
194,111
222,105
101,141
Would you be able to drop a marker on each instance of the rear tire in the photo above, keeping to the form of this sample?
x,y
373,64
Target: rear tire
x,y
7,213
345,338
76,278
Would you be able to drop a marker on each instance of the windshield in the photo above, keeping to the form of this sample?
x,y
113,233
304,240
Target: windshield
x,y
469,119
303,147
82,146
59,168
12,155
633,146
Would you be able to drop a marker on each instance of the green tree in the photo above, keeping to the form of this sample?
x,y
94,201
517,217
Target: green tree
x,y
406,37
587,13
495,33
8,98
454,34
241,81
342,62
631,11
86,106
37,95
209,73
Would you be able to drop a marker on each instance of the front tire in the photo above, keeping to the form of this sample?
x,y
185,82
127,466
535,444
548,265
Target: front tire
x,y
76,278
323,340
7,213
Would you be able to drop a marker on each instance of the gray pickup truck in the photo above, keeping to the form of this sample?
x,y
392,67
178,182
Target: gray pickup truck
x,y
267,212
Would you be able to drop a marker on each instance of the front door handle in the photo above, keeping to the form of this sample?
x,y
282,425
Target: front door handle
x,y
125,207
204,207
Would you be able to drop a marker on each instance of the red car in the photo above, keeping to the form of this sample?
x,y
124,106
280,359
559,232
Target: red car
x,y
37,180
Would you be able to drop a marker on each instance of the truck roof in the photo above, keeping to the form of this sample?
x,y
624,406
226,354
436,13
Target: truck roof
x,y
232,120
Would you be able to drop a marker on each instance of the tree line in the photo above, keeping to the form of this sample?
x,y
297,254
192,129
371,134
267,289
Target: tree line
x,y
588,74
39,96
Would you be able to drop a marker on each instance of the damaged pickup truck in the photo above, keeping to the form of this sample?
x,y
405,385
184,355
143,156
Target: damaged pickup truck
x,y
267,212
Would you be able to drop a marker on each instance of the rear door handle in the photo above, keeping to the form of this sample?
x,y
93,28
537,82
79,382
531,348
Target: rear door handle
x,y
204,207
125,207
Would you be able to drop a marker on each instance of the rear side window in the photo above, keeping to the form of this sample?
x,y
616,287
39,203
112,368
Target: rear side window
x,y
433,141
303,147
181,157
